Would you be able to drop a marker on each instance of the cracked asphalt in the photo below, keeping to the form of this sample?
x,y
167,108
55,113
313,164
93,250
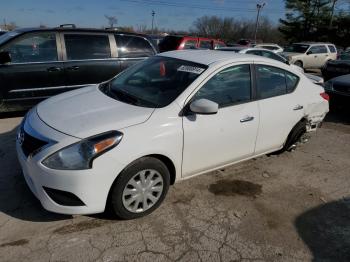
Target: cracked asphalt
x,y
289,207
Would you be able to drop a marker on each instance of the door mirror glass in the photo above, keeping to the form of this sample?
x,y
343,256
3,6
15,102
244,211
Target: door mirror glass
x,y
5,57
204,106
309,52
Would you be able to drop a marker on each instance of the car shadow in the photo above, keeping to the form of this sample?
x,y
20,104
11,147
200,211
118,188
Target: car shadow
x,y
339,116
325,229
12,114
16,199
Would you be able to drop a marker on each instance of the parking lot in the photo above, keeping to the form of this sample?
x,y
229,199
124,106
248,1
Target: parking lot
x,y
288,207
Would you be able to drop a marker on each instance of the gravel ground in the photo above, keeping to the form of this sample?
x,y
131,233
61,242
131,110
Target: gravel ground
x,y
288,207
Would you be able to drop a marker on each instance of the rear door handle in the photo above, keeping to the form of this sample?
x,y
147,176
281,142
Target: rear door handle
x,y
54,69
298,107
73,68
247,119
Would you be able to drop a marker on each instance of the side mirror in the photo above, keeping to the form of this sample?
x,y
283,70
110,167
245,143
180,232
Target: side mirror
x,y
5,57
308,52
204,107
287,62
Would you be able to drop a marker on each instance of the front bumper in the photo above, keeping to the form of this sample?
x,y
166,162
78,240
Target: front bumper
x,y
90,186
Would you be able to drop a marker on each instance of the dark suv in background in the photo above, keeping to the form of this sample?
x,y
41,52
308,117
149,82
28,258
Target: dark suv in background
x,y
38,63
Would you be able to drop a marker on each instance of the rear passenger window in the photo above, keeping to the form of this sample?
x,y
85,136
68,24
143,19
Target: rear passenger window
x,y
83,46
319,49
190,44
133,46
205,44
332,49
273,56
291,81
272,81
268,47
228,87
219,45
254,52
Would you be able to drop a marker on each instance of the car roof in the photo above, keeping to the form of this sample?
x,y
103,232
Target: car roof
x,y
244,48
267,44
72,29
313,43
208,57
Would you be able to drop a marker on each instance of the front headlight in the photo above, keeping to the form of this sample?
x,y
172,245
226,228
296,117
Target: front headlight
x,y
80,155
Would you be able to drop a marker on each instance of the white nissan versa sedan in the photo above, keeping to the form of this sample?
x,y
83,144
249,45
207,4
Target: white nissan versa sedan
x,y
173,116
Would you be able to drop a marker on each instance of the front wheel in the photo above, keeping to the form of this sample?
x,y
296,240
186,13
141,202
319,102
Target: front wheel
x,y
139,189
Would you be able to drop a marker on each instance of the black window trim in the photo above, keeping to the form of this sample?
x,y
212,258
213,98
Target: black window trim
x,y
24,35
258,95
131,35
329,46
64,50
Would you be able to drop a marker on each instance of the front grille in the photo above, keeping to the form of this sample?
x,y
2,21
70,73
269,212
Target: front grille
x,y
30,144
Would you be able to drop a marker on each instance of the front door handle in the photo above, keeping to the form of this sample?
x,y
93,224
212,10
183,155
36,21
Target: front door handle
x,y
298,107
54,69
246,119
73,68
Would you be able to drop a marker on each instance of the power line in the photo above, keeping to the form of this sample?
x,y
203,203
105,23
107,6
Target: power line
x,y
196,6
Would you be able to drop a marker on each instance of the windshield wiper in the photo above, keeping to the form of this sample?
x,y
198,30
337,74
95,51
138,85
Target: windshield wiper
x,y
128,98
123,96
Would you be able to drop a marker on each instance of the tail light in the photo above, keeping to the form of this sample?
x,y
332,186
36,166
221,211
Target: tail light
x,y
325,96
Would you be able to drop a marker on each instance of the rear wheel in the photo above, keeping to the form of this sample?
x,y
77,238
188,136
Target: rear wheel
x,y
298,130
299,63
139,189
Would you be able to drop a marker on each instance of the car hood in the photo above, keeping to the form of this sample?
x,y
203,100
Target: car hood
x,y
343,80
345,63
87,111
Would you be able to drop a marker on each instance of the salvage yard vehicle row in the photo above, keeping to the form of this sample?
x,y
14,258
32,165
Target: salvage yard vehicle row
x,y
38,63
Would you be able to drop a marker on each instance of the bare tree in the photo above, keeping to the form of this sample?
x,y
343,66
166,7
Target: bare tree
x,y
9,27
112,20
141,28
231,30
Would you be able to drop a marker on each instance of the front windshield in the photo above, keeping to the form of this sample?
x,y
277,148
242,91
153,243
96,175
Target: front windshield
x,y
296,48
155,82
7,36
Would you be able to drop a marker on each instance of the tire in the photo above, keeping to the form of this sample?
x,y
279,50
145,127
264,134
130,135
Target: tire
x,y
298,130
131,197
299,63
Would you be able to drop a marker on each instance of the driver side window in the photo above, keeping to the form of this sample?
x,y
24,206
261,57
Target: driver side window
x,y
228,87
39,47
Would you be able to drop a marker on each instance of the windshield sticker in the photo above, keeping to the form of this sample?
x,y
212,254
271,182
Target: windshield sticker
x,y
190,69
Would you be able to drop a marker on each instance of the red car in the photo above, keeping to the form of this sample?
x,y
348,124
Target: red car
x,y
174,42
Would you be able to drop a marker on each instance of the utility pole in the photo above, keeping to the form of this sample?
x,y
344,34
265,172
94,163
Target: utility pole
x,y
153,13
332,13
259,7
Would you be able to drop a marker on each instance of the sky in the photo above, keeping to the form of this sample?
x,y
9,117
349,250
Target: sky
x,y
169,14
